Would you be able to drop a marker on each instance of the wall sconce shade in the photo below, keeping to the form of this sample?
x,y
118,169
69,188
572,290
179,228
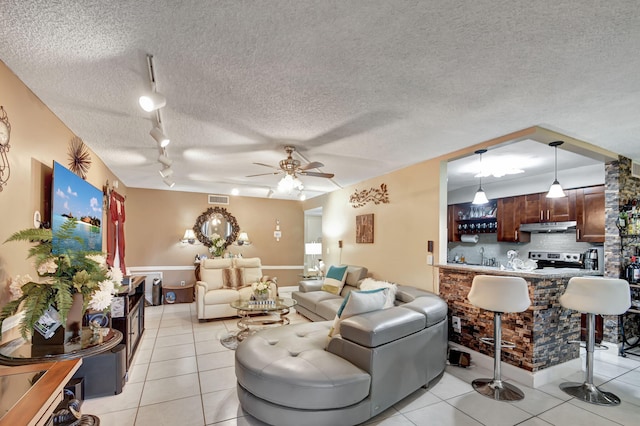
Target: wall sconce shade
x,y
480,197
555,190
152,101
157,134
189,236
243,239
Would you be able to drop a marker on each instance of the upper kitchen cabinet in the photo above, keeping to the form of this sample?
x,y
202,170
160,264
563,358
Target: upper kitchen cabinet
x,y
539,208
509,213
590,214
470,219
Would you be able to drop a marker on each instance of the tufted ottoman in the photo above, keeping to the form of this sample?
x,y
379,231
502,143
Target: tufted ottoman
x,y
289,367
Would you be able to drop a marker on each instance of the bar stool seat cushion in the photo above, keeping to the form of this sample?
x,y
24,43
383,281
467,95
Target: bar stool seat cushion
x,y
597,295
499,293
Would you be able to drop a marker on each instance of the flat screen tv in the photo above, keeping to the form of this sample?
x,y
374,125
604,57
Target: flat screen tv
x,y
73,197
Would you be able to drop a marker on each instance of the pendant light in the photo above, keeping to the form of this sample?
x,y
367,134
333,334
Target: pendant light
x,y
480,197
555,191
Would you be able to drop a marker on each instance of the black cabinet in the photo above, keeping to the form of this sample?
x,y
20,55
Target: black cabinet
x,y
128,315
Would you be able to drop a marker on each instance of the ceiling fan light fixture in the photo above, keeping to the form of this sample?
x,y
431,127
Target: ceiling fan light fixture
x,y
290,182
159,136
555,190
302,196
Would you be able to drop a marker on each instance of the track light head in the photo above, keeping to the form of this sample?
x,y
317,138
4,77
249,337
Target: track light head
x,y
169,182
157,134
164,160
166,172
152,101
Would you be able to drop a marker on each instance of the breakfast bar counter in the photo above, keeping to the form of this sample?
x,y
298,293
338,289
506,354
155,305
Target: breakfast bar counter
x,y
540,333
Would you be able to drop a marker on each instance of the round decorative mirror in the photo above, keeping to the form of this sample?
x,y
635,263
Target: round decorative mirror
x,y
216,221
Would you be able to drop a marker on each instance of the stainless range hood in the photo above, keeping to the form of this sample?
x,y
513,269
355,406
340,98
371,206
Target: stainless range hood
x,y
568,226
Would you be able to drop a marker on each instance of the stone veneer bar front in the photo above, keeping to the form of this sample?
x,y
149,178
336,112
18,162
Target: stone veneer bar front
x,y
540,333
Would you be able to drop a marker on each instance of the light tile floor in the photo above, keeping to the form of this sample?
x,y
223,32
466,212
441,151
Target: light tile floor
x,y
182,375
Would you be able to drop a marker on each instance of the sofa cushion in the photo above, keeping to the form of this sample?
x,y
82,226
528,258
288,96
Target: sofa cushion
x,y
371,284
355,274
334,280
310,300
358,302
289,366
211,272
222,296
251,268
377,328
233,278
328,308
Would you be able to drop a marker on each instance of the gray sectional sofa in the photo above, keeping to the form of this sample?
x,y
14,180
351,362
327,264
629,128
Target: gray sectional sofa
x,y
296,375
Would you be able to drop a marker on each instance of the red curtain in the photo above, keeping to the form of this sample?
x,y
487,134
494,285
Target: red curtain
x,y
115,230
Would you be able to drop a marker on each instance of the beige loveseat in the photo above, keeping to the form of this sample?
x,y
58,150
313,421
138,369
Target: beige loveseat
x,y
213,298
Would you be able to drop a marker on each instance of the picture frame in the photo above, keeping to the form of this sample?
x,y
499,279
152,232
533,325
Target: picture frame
x,y
364,229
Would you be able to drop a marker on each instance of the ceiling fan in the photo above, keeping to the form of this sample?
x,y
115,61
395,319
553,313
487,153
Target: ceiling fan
x,y
292,167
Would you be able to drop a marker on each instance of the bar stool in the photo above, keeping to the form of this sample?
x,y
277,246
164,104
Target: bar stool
x,y
594,295
498,294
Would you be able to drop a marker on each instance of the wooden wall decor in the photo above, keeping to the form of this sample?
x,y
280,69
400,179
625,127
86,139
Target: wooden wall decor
x,y
364,228
374,195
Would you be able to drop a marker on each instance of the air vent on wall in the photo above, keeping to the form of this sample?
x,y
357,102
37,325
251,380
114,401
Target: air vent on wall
x,y
635,169
218,199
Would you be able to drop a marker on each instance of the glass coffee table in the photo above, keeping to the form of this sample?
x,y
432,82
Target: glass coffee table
x,y
256,315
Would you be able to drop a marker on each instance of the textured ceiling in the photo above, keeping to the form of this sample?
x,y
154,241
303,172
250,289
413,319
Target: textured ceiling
x,y
365,87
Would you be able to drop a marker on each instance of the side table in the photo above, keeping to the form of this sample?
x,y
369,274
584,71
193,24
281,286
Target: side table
x,y
178,293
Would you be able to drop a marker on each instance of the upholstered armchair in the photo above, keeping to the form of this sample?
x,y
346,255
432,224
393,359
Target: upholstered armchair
x,y
224,280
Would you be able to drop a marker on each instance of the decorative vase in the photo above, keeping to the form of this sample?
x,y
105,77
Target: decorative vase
x,y
66,332
261,296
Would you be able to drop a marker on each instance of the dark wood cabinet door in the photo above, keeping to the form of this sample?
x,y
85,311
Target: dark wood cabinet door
x,y
532,208
560,209
590,214
452,225
509,213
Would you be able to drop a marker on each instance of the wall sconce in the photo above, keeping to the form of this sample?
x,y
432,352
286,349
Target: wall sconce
x,y
277,234
189,237
5,134
243,239
339,243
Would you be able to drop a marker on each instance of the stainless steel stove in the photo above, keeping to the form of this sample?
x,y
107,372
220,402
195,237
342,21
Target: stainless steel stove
x,y
557,259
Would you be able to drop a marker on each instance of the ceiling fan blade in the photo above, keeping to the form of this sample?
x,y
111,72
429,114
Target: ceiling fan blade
x,y
267,165
312,165
265,174
316,174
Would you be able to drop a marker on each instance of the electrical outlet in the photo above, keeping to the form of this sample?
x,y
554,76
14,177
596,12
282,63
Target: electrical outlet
x,y
456,323
182,283
429,259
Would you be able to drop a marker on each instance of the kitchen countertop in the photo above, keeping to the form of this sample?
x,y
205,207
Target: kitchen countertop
x,y
536,273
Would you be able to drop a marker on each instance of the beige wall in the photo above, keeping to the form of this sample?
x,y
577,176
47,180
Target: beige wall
x,y
156,221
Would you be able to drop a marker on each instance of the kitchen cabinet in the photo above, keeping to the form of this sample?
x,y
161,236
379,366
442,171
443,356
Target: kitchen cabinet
x,y
590,214
509,214
452,225
539,208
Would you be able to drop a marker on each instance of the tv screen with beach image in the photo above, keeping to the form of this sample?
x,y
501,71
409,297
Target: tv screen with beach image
x,y
73,197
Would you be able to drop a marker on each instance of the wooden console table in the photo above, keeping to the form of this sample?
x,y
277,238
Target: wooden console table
x,y
26,403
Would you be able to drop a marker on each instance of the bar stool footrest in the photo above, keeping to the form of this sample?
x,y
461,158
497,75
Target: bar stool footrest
x,y
596,346
503,343
588,392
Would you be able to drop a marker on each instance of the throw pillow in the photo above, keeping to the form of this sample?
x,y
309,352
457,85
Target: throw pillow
x,y
358,302
232,278
334,280
371,284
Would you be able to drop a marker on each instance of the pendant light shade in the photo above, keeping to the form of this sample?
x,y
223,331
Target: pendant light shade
x,y
480,197
555,190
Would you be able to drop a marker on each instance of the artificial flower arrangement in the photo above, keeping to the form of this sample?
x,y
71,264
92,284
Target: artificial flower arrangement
x,y
218,244
61,276
262,285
